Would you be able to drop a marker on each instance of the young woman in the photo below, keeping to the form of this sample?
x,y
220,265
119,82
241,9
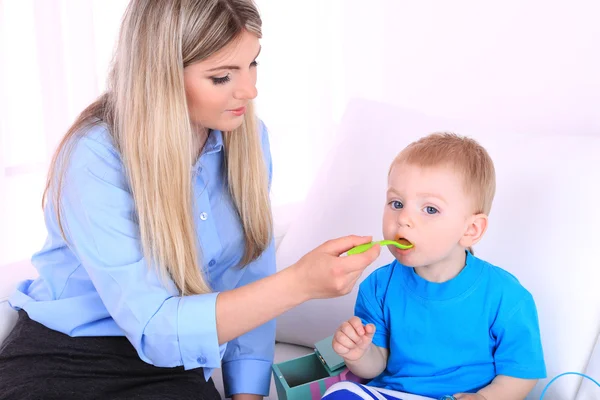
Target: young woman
x,y
159,264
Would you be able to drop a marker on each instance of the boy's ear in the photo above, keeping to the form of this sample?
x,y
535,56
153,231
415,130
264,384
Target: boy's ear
x,y
477,225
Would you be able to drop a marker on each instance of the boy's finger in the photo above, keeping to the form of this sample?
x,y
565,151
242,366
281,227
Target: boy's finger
x,y
338,348
350,332
357,324
344,340
370,329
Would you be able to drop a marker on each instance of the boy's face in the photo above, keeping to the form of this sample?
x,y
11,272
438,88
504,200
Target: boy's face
x,y
429,208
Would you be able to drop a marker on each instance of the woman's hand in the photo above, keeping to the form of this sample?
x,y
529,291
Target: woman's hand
x,y
322,273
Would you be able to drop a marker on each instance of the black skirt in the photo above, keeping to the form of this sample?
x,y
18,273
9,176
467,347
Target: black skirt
x,y
39,363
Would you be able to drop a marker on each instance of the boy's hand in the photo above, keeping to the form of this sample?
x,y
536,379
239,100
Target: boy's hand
x,y
352,339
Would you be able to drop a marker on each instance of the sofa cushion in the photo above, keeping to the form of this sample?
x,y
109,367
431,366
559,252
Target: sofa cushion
x,y
543,225
11,275
8,318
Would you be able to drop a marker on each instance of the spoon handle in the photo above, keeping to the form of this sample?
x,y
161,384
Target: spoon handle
x,y
361,248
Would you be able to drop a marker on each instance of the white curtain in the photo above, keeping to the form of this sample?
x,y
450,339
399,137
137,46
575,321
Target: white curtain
x,y
529,65
53,60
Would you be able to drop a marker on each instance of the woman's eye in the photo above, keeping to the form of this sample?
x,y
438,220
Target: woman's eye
x,y
220,80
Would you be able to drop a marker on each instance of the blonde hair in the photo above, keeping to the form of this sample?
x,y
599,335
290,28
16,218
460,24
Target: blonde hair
x,y
465,155
146,112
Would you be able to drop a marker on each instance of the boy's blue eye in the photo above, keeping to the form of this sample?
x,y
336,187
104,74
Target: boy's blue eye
x,y
431,210
396,204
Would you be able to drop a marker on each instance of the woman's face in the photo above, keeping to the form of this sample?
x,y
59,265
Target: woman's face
x,y
219,88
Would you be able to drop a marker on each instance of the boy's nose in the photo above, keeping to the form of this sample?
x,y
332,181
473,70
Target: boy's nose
x,y
404,220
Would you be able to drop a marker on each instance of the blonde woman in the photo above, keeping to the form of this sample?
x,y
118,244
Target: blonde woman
x,y
159,264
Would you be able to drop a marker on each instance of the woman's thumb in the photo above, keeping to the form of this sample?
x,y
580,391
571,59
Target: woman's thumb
x,y
341,245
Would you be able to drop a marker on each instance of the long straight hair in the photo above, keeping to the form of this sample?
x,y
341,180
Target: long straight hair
x,y
146,113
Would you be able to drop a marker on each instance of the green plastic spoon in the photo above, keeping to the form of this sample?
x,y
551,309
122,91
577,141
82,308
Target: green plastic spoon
x,y
361,248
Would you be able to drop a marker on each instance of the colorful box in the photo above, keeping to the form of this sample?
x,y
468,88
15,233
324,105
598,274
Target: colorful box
x,y
308,377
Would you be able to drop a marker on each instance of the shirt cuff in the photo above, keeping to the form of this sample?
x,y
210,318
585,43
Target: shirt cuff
x,y
18,298
247,376
197,330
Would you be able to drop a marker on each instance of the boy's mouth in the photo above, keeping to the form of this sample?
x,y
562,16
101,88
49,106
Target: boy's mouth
x,y
404,241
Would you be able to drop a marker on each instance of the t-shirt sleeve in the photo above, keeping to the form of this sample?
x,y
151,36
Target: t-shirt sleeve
x,y
518,351
369,308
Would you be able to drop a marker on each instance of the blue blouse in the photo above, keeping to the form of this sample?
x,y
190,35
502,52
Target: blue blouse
x,y
99,284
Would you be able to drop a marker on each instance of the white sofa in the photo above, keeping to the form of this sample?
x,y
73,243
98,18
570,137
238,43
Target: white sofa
x,y
544,228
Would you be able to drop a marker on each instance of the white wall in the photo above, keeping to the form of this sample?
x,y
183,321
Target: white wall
x,y
529,65
53,61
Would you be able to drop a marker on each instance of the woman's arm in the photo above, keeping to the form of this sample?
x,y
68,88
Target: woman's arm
x,y
168,330
319,274
250,306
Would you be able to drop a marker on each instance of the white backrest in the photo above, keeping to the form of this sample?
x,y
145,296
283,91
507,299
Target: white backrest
x,y
544,225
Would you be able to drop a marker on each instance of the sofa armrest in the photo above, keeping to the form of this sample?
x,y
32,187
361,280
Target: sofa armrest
x,y
588,389
10,276
8,319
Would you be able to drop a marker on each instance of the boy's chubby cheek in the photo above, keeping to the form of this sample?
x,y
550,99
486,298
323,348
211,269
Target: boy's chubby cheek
x,y
390,228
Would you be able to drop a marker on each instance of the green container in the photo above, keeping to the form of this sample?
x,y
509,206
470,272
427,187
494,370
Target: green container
x,y
308,377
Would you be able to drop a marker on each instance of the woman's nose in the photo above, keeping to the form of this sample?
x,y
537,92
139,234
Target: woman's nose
x,y
247,88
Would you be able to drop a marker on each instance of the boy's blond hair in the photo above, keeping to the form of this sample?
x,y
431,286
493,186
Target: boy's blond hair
x,y
463,154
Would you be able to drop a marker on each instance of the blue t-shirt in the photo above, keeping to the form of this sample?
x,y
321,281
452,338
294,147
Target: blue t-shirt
x,y
455,336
